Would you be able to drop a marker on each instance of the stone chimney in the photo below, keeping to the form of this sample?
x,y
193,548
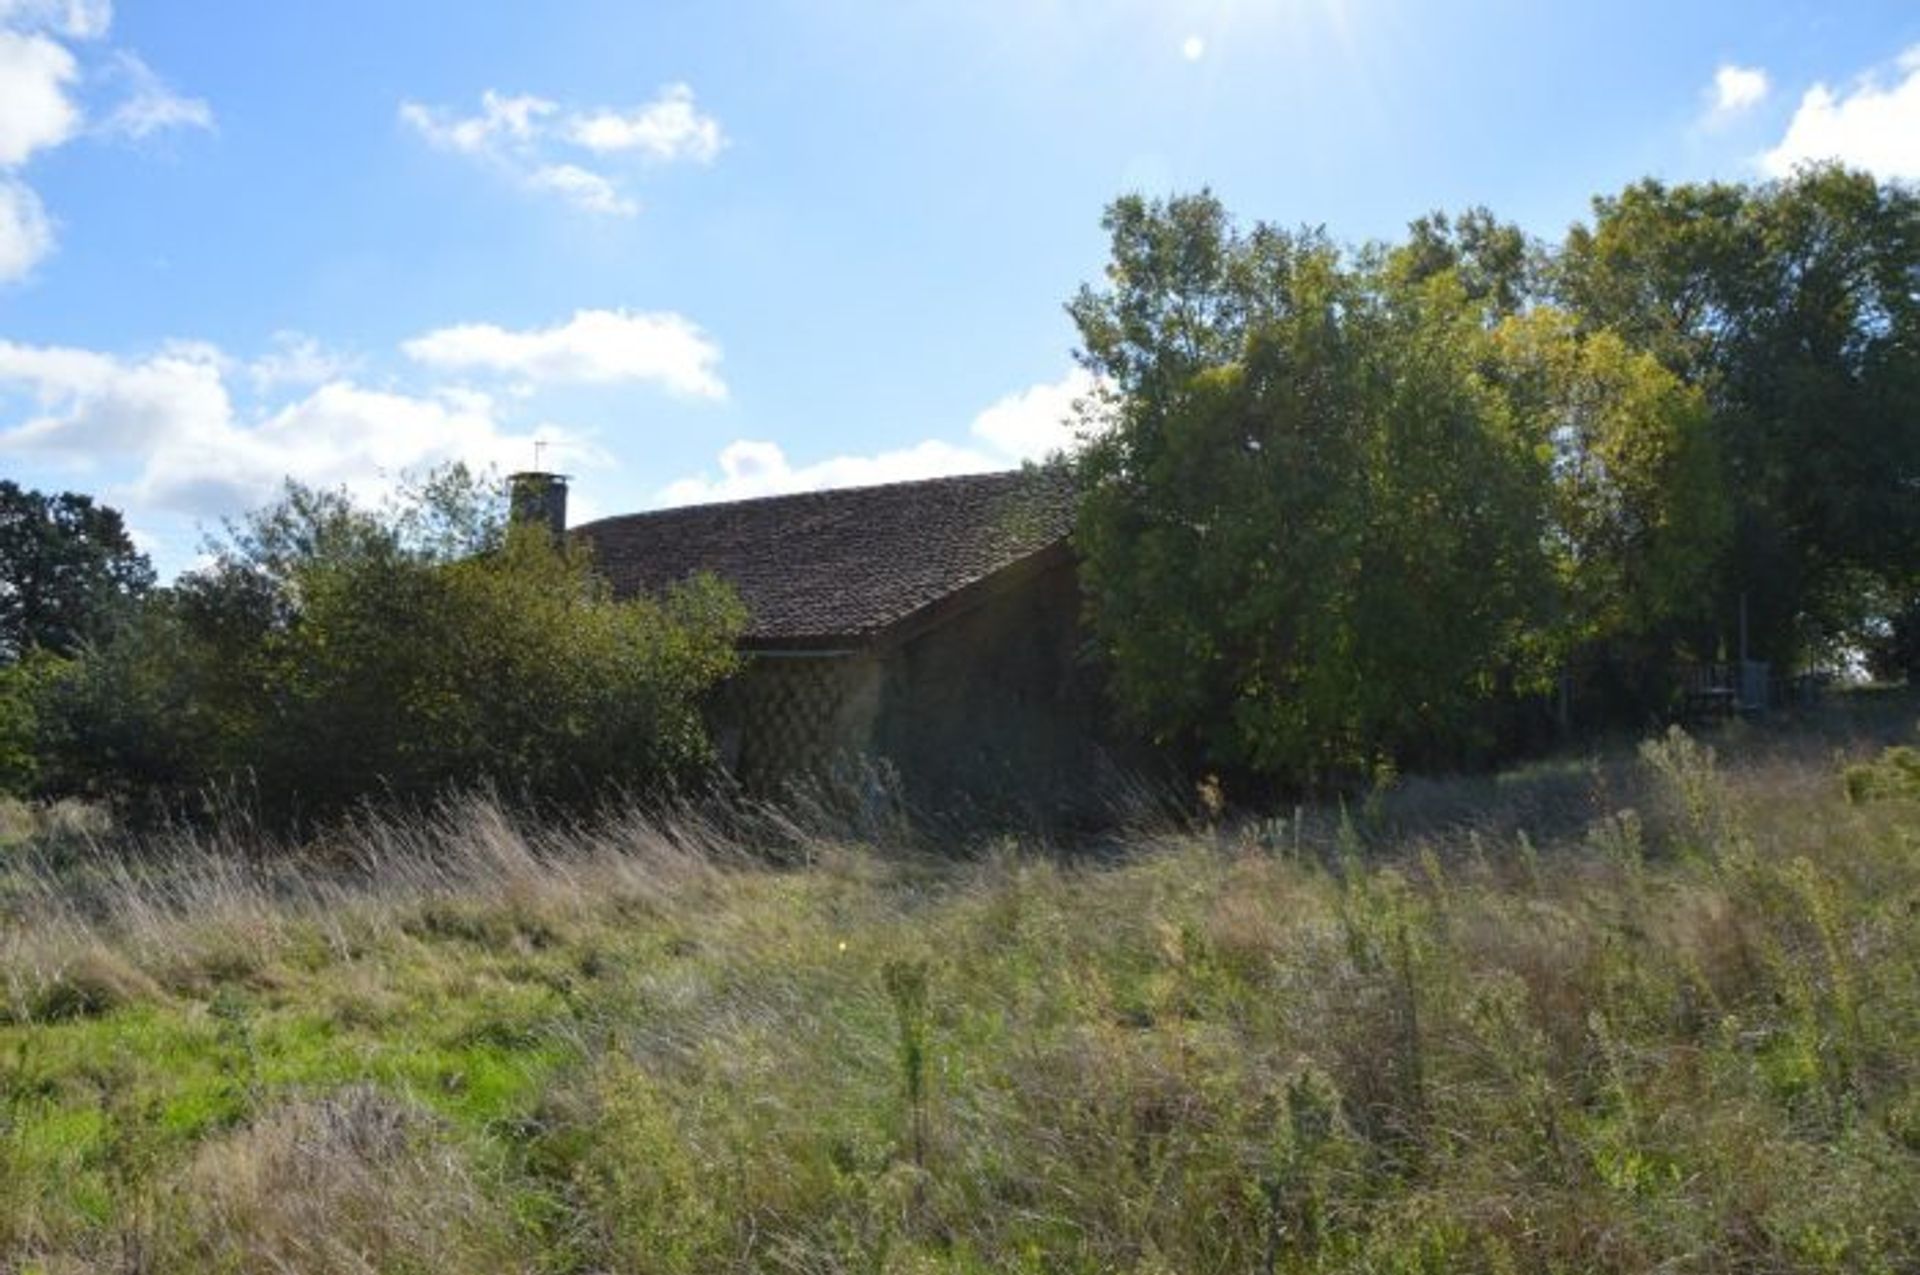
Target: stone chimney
x,y
539,498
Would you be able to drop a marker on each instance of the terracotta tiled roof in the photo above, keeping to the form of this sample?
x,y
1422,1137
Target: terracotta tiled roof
x,y
844,564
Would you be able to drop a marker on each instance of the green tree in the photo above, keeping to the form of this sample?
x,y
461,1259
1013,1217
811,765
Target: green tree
x,y
67,567
22,685
129,719
1495,261
1638,518
1661,267
1791,306
1312,530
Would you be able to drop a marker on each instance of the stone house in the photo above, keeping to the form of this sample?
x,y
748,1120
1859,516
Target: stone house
x,y
932,624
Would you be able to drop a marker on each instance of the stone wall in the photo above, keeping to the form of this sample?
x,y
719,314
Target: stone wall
x,y
995,708
999,706
791,714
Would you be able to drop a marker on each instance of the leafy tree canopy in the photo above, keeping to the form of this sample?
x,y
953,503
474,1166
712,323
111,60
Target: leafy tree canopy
x,y
67,566
1307,533
1341,507
1794,307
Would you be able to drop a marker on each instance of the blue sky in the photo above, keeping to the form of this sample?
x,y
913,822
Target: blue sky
x,y
717,249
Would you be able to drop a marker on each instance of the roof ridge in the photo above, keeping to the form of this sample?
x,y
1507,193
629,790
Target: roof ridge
x,y
818,492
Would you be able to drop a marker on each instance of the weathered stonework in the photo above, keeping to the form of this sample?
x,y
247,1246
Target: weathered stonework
x,y
786,714
992,704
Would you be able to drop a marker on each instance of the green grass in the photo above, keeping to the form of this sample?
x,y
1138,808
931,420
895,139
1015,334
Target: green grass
x,y
1659,1010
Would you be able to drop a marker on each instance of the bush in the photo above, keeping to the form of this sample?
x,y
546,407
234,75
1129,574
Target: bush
x,y
21,686
330,656
1894,774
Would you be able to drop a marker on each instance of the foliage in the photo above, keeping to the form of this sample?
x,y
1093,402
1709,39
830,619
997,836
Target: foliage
x,y
1352,509
67,567
1791,306
1893,775
21,686
134,717
1638,518
1445,1037
330,655
1495,261
1316,534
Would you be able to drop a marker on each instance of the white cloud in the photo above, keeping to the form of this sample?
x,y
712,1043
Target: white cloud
x,y
594,346
1036,422
170,416
94,407
1873,125
1193,48
150,105
583,188
296,359
668,128
340,434
26,235
37,110
502,120
527,138
75,19
1735,90
1030,424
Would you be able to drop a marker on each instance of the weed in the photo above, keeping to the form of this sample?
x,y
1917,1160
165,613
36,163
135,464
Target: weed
x,y
905,981
1499,1025
1894,775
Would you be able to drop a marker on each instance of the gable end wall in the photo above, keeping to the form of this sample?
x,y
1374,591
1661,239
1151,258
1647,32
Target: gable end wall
x,y
994,706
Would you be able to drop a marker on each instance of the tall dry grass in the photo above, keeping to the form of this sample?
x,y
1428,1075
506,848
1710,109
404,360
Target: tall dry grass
x,y
1658,1009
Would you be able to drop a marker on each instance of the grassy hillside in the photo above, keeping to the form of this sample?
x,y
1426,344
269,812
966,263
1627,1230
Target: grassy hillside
x,y
1653,1011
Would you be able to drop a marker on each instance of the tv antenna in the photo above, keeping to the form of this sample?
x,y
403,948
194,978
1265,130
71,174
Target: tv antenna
x,y
539,445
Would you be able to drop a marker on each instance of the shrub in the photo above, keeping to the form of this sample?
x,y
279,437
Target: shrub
x,y
331,655
1894,774
21,687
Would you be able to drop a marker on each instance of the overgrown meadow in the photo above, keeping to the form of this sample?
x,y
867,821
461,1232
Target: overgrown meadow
x,y
1654,1009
